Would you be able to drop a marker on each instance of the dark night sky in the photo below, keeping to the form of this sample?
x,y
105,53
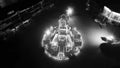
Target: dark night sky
x,y
23,49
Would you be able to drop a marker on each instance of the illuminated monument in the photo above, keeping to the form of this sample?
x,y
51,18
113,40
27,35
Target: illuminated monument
x,y
62,41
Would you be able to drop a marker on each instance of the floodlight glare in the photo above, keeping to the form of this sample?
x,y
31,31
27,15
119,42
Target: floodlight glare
x,y
69,11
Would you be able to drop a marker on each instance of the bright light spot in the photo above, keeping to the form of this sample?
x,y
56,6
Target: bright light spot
x,y
47,32
69,11
110,37
94,36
